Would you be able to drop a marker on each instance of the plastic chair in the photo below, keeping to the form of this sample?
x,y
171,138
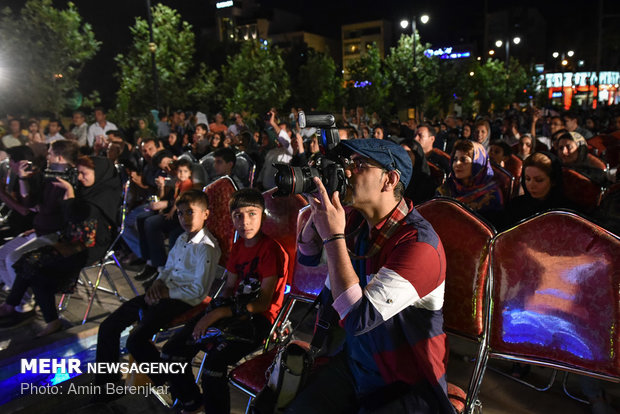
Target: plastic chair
x,y
109,258
281,222
442,154
219,222
514,166
595,161
306,284
579,189
596,145
244,169
437,174
465,238
554,287
505,181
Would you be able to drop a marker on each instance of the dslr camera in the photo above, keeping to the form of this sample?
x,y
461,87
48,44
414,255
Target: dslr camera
x,y
329,168
70,175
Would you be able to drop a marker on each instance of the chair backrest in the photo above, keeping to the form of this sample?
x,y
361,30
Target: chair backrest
x,y
514,166
199,175
579,189
595,161
437,174
555,288
243,169
442,154
219,222
307,281
596,145
280,222
505,181
465,238
207,163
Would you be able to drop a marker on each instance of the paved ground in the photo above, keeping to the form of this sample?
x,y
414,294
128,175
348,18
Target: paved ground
x,y
499,394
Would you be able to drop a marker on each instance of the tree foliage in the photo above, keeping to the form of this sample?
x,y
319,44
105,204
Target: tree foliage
x,y
44,50
410,85
181,82
254,80
368,85
496,86
319,85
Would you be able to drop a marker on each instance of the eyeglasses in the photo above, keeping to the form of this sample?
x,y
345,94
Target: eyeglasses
x,y
462,160
360,164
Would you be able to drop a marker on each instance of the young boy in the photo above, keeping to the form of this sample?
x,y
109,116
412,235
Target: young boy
x,y
243,314
182,284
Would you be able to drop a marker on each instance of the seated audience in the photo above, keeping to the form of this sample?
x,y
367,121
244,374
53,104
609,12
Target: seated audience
x,y
573,153
236,324
471,180
499,152
183,283
90,217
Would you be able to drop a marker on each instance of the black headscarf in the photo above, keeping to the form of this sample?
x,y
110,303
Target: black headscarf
x,y
105,193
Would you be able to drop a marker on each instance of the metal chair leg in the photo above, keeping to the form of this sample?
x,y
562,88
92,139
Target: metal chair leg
x,y
93,294
564,381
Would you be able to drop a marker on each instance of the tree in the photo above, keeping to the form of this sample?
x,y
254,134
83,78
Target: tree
x,y
45,50
181,83
319,85
497,86
254,80
367,85
410,86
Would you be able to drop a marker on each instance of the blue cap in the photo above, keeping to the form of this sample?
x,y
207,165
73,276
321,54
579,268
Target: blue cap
x,y
389,155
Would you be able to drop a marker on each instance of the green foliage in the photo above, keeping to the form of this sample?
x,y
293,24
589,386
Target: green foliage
x,y
319,85
374,95
181,83
44,49
496,86
410,86
254,80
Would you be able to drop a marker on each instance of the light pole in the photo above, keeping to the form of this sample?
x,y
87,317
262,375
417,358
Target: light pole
x,y
563,63
498,43
404,23
152,48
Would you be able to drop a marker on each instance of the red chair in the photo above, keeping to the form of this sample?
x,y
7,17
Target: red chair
x,y
219,222
554,287
596,145
306,284
579,189
465,238
437,174
595,161
442,154
514,166
505,181
281,221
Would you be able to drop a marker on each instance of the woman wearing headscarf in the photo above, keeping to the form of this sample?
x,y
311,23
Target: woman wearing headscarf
x,y
90,212
542,188
471,179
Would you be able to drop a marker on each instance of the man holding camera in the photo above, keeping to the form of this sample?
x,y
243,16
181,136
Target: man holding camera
x,y
386,278
44,194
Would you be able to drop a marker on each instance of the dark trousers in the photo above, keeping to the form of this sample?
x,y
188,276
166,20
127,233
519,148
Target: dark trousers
x,y
139,342
332,389
57,274
152,232
243,337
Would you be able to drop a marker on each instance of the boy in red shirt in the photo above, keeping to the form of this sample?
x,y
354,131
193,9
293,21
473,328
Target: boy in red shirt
x,y
239,320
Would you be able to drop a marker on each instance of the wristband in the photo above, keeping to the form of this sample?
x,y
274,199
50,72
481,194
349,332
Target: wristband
x,y
332,238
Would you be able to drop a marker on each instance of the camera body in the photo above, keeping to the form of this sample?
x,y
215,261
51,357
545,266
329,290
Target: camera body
x,y
70,175
328,168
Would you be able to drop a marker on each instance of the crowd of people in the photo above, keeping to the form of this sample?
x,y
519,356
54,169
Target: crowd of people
x,y
63,187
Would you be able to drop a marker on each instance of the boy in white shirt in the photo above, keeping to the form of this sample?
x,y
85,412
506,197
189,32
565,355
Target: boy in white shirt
x,y
182,284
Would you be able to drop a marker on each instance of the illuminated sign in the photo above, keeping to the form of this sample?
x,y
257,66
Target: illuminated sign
x,y
224,4
446,53
569,79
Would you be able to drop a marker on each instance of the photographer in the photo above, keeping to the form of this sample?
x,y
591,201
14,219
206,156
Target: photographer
x,y
89,210
44,196
386,277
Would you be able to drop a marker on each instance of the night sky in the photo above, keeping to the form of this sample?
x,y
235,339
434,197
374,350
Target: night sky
x,y
452,22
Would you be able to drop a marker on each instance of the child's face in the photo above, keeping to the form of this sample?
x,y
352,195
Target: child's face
x,y
192,217
183,173
247,221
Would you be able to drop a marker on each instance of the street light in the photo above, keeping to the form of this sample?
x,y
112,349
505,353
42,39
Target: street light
x,y
506,43
563,65
404,23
